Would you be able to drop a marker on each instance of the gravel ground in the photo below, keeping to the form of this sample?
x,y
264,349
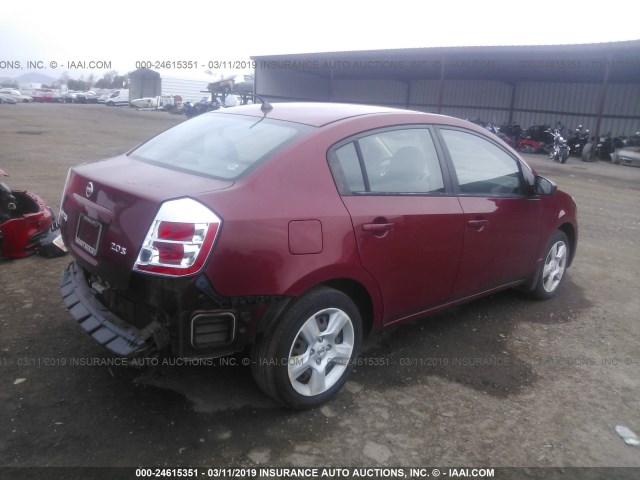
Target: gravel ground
x,y
503,381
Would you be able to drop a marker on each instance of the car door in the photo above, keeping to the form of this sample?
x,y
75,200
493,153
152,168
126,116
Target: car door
x,y
407,223
502,222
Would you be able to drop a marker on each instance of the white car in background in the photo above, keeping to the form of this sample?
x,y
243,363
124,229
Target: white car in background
x,y
15,94
104,97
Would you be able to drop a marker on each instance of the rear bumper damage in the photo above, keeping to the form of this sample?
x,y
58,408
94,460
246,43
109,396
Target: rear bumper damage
x,y
103,326
158,316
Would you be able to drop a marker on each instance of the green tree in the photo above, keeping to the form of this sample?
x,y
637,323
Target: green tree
x,y
107,79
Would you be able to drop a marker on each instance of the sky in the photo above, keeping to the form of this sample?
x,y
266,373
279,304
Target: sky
x,y
229,33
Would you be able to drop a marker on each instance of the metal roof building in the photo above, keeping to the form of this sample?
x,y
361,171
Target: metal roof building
x,y
144,83
589,84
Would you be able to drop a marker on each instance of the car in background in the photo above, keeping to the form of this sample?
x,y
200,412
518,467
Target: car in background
x,y
103,97
69,96
118,98
628,151
629,156
8,99
15,94
294,229
91,97
47,96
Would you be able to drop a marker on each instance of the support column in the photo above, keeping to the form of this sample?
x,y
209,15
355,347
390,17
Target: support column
x,y
441,92
513,101
601,103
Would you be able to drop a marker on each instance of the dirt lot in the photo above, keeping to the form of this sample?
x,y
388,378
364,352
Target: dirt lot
x,y
503,381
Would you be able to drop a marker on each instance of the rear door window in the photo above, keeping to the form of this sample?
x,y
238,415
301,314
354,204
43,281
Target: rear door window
x,y
396,161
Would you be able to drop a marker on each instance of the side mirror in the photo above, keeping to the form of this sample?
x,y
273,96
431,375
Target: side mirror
x,y
544,186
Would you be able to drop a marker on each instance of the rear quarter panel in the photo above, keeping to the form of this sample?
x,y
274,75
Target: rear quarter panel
x,y
252,255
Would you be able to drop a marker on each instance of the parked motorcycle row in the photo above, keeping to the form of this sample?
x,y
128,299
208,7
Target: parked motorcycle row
x,y
559,147
214,102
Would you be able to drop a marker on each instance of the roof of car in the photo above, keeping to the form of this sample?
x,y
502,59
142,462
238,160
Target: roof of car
x,y
315,114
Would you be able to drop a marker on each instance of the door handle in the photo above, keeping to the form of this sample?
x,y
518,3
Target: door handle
x,y
478,224
377,227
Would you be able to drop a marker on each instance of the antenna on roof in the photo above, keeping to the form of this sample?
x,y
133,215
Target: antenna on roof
x,y
265,106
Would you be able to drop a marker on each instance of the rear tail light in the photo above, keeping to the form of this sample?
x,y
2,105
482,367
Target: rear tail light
x,y
180,239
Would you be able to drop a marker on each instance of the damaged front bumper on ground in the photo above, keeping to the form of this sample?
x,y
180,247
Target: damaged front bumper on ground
x,y
27,225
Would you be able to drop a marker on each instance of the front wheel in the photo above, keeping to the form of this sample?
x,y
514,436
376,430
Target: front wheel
x,y
309,355
554,268
564,155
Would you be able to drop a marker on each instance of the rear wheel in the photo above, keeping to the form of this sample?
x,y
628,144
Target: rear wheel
x,y
307,358
554,267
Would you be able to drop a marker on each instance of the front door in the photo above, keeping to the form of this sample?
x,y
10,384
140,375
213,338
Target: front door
x,y
502,222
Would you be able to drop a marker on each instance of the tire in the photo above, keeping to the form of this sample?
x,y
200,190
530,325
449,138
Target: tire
x,y
586,152
294,363
554,267
564,155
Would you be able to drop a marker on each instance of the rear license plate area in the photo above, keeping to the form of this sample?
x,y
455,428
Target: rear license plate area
x,y
88,234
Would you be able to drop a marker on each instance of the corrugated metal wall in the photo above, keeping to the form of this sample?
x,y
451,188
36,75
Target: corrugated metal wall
x,y
392,93
472,99
424,95
189,90
535,103
573,104
477,93
290,85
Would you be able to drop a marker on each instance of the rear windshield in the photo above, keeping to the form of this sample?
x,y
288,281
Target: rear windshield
x,y
219,145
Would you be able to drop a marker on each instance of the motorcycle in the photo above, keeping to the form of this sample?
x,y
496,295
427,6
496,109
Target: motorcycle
x,y
526,145
536,139
560,150
499,133
578,141
203,106
27,224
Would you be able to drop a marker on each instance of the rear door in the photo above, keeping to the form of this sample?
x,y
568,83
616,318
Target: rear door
x,y
408,225
502,222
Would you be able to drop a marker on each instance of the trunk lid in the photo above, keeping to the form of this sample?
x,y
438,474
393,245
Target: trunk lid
x,y
109,206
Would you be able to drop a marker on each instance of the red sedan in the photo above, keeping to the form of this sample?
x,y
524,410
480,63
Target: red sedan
x,y
295,229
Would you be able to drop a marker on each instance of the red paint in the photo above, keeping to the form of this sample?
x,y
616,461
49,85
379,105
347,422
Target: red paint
x,y
286,228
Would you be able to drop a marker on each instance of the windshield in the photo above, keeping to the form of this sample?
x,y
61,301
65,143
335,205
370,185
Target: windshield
x,y
219,145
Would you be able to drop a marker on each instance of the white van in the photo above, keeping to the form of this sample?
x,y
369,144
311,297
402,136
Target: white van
x,y
118,97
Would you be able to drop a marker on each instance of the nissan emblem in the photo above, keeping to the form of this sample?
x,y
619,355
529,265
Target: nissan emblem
x,y
89,191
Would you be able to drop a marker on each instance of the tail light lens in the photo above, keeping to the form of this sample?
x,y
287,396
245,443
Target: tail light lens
x,y
180,239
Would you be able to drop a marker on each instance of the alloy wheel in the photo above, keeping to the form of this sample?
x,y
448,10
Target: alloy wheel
x,y
554,266
321,352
